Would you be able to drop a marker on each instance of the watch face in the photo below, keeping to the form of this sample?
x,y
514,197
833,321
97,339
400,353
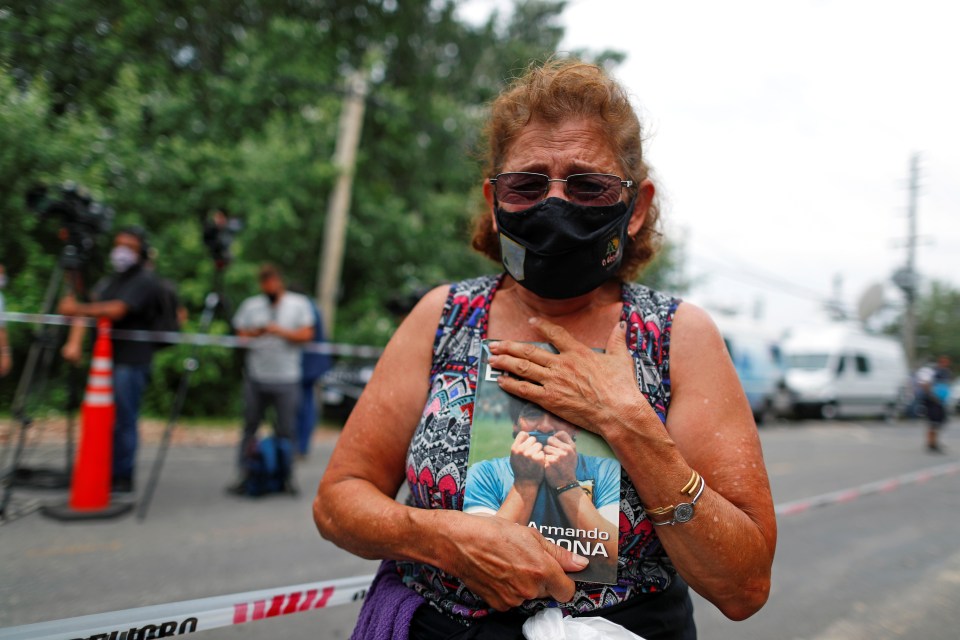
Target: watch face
x,y
683,512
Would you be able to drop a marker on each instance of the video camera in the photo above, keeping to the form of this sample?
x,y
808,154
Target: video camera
x,y
218,234
82,219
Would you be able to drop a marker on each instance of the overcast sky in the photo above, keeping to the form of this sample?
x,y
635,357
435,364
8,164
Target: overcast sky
x,y
781,134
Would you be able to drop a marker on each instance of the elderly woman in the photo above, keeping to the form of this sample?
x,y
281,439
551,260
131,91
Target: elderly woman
x,y
572,218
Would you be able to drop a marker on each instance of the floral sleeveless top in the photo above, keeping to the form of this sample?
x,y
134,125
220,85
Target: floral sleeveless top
x,y
437,457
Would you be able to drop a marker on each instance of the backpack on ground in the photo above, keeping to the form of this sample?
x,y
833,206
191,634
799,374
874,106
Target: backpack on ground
x,y
268,468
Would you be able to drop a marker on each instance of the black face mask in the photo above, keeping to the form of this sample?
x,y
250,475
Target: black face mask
x,y
558,249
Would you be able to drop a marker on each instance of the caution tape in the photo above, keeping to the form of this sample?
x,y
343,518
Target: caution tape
x,y
200,339
189,616
879,486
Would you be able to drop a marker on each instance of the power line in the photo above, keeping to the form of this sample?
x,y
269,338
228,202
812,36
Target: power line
x,y
755,276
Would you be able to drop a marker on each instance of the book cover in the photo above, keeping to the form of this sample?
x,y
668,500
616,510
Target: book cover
x,y
534,468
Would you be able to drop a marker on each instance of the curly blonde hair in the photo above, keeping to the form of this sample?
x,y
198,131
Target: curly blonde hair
x,y
553,92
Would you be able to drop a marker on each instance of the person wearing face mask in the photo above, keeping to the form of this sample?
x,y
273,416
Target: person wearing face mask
x,y
130,297
282,322
6,357
571,216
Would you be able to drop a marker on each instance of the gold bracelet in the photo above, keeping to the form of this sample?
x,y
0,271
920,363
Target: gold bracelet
x,y
684,511
689,489
692,483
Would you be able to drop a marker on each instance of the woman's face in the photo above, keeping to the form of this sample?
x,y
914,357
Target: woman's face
x,y
559,150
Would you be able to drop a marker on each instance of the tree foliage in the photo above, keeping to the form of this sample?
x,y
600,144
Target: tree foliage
x,y
938,322
166,109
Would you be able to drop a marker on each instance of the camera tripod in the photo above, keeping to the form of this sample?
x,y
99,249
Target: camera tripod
x,y
33,380
214,302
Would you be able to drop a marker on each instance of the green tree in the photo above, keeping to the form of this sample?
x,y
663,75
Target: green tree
x,y
165,109
938,322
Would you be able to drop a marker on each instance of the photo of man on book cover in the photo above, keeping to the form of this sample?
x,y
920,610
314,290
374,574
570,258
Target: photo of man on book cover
x,y
532,467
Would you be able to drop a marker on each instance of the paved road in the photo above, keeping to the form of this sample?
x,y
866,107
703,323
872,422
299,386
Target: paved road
x,y
881,566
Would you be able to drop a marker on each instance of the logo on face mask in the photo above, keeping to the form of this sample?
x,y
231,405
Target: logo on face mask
x,y
613,252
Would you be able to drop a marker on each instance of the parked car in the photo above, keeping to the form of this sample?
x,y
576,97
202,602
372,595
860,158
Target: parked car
x,y
756,356
341,386
839,370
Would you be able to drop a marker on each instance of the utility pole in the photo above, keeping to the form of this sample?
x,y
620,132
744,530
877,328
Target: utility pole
x,y
909,280
338,208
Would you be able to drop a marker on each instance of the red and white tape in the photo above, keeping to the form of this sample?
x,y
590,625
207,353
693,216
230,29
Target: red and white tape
x,y
878,486
164,620
178,618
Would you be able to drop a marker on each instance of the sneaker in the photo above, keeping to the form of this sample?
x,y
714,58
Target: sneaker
x,y
290,487
238,488
121,484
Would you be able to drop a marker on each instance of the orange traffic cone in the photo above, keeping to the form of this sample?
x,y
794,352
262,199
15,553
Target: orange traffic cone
x,y
90,487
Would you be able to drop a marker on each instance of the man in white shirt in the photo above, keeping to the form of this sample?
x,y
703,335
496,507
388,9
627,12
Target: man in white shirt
x,y
281,321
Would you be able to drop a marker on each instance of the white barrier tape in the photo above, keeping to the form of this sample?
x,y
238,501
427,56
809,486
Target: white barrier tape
x,y
178,618
201,339
879,486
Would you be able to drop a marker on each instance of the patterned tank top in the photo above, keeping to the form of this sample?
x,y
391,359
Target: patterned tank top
x,y
437,457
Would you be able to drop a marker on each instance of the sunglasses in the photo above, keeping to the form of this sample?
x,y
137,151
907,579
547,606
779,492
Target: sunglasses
x,y
527,189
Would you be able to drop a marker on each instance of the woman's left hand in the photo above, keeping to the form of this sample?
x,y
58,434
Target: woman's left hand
x,y
578,384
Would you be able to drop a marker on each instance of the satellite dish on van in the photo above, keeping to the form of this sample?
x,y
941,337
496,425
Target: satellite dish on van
x,y
870,302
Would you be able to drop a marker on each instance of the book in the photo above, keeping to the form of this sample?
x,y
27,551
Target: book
x,y
534,468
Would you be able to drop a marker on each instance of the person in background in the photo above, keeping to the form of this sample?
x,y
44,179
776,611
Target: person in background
x,y
934,383
313,365
281,321
571,217
6,357
131,298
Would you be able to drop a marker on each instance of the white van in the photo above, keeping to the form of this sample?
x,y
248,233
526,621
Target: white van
x,y
840,370
755,352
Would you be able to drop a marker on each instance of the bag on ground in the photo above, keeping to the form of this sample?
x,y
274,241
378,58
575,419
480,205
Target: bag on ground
x,y
268,467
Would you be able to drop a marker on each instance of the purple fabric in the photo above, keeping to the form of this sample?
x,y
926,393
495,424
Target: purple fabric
x,y
388,607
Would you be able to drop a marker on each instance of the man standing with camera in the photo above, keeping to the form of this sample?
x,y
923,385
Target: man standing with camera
x,y
281,321
131,298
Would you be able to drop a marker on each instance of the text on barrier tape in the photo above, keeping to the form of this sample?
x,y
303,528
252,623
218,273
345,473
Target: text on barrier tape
x,y
179,618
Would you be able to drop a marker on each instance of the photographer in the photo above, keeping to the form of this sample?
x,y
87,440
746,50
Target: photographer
x,y
131,298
